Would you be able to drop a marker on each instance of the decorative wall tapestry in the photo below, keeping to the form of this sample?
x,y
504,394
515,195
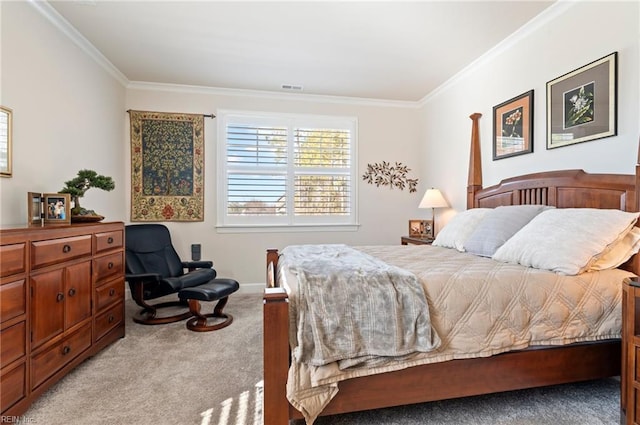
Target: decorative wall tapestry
x,y
167,166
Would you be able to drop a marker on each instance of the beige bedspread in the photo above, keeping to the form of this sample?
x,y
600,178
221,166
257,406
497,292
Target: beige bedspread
x,y
478,307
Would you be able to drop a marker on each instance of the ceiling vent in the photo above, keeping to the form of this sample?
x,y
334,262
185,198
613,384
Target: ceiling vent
x,y
292,87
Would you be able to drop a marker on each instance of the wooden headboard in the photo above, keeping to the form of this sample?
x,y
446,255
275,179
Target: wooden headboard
x,y
561,189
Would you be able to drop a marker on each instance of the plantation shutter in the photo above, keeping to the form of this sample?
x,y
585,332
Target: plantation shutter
x,y
322,158
286,170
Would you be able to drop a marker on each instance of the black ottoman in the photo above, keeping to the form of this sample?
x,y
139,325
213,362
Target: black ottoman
x,y
215,290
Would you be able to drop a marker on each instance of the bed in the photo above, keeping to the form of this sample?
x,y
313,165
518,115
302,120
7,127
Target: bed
x,y
509,370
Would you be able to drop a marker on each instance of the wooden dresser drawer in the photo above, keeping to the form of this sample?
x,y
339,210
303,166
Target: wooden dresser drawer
x,y
109,293
109,320
13,300
51,360
108,266
13,386
45,253
14,259
13,343
109,240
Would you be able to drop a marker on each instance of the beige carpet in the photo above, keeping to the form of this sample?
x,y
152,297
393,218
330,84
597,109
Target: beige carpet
x,y
167,375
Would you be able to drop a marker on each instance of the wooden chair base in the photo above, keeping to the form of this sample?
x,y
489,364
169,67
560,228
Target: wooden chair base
x,y
199,322
148,315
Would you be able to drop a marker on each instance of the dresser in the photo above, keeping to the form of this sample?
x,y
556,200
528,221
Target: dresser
x,y
61,301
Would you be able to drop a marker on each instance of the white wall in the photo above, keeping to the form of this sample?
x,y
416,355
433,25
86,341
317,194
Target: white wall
x,y
68,114
567,36
386,133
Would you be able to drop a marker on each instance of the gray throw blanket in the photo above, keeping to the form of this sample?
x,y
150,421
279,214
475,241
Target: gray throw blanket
x,y
353,307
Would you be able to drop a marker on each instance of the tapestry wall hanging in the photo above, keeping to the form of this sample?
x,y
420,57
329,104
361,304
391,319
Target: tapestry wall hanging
x,y
167,166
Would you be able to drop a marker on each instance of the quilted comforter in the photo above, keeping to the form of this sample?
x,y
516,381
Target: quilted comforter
x,y
478,307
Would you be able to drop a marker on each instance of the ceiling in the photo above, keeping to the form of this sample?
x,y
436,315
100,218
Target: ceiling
x,y
389,50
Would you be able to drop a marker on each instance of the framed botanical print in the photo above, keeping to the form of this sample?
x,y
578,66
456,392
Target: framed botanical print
x,y
582,105
513,126
6,142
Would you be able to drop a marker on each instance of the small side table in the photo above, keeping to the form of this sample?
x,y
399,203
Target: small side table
x,y
406,240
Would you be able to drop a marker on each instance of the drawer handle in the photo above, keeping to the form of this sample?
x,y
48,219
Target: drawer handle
x,y
112,292
111,318
110,265
60,297
72,292
66,350
109,240
66,248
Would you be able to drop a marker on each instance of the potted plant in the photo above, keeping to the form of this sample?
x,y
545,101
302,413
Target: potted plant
x,y
77,187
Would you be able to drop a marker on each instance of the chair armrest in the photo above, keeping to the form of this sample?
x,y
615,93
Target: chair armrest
x,y
191,265
142,278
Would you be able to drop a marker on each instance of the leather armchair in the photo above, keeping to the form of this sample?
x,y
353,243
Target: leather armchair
x,y
154,270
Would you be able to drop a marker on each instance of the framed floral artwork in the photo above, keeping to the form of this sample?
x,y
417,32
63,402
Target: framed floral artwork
x,y
6,130
582,105
513,126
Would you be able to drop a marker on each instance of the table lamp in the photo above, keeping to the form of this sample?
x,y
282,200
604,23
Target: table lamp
x,y
433,199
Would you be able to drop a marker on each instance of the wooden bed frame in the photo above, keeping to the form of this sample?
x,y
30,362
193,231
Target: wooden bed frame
x,y
460,378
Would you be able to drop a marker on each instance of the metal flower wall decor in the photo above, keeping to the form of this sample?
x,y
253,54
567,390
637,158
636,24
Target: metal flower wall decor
x,y
386,174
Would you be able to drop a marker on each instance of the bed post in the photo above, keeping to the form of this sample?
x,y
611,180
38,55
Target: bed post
x,y
635,264
474,183
276,348
636,202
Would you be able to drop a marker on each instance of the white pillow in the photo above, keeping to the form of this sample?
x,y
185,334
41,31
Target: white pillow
x,y
566,240
498,226
459,228
620,252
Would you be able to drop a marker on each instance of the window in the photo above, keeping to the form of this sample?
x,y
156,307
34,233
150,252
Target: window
x,y
286,170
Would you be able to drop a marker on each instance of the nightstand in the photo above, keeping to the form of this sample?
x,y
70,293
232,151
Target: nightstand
x,y
406,240
630,368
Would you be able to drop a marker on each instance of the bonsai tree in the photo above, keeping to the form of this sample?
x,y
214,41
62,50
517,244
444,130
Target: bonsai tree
x,y
85,180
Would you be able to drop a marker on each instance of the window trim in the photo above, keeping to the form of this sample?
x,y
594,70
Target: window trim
x,y
285,223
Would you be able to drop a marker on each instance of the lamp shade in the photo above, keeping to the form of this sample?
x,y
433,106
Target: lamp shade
x,y
433,199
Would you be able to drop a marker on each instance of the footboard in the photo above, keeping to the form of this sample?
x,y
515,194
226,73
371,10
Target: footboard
x,y
276,347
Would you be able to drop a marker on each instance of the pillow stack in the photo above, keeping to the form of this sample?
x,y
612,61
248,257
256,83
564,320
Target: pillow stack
x,y
564,240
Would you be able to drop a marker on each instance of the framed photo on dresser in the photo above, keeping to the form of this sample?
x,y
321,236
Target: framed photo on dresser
x,y
48,208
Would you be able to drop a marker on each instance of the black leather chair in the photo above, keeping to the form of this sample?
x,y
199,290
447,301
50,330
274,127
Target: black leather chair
x,y
154,269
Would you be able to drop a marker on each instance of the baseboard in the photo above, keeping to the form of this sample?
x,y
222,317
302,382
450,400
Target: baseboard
x,y
251,288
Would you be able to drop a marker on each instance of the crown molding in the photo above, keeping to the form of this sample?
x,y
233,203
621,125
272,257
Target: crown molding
x,y
299,97
549,14
546,16
67,29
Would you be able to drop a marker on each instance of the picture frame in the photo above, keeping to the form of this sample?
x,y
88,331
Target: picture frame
x,y
513,127
6,141
422,229
34,209
56,208
582,104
